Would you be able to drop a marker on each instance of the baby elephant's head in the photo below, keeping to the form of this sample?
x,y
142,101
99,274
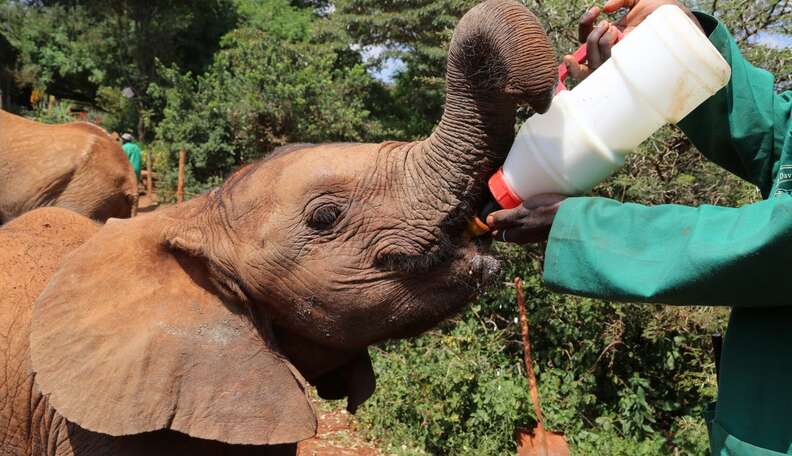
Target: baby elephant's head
x,y
336,243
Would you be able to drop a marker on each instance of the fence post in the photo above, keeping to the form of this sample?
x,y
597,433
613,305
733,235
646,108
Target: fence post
x,y
149,159
180,183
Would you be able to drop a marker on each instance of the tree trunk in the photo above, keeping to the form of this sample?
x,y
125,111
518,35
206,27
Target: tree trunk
x,y
180,183
141,136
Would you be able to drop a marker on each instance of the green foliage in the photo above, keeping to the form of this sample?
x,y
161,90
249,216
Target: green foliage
x,y
416,32
122,113
54,113
261,91
50,49
616,378
82,49
457,365
278,18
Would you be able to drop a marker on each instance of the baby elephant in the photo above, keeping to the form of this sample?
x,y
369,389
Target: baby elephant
x,y
75,166
195,329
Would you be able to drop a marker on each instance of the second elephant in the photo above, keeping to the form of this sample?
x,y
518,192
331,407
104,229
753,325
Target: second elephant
x,y
76,166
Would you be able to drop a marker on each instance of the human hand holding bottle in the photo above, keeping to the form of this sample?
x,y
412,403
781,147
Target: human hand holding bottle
x,y
601,38
527,223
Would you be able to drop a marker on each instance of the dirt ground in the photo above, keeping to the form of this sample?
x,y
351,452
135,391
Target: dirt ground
x,y
337,436
147,203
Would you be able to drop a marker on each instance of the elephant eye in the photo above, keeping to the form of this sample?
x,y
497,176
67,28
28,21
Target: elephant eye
x,y
324,217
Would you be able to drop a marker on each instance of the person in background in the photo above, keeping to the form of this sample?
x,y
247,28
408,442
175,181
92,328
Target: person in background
x,y
708,255
132,151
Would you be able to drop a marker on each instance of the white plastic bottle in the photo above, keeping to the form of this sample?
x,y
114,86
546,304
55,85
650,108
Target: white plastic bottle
x,y
658,74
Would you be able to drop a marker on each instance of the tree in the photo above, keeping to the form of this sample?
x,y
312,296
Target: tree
x,y
74,49
416,32
53,54
7,60
268,85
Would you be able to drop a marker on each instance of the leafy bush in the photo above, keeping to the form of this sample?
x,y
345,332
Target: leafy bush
x,y
616,378
52,113
122,114
264,89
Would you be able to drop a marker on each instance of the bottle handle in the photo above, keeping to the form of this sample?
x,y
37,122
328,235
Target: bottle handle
x,y
580,56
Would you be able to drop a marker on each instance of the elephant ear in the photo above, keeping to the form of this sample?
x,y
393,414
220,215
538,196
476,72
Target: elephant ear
x,y
130,337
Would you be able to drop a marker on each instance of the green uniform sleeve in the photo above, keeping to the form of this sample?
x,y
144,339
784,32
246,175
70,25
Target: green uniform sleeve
x,y
744,126
694,255
133,153
672,254
136,161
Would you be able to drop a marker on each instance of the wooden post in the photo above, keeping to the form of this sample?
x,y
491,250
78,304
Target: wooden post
x,y
180,182
149,180
149,160
533,386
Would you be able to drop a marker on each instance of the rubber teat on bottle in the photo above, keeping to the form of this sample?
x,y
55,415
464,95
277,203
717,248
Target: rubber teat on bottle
x,y
476,228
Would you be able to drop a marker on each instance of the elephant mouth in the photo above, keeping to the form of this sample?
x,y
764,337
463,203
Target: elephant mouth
x,y
474,266
468,261
483,266
455,258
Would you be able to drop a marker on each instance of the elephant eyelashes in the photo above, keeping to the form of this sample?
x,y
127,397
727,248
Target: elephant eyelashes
x,y
324,217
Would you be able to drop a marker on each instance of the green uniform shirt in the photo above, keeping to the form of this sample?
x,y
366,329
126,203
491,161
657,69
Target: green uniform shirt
x,y
709,255
132,151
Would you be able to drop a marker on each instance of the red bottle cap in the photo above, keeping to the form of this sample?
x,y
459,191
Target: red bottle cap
x,y
501,191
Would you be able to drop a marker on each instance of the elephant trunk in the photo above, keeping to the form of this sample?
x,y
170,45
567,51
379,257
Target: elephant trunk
x,y
500,58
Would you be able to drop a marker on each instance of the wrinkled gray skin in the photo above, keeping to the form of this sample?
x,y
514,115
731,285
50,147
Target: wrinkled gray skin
x,y
192,330
76,166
